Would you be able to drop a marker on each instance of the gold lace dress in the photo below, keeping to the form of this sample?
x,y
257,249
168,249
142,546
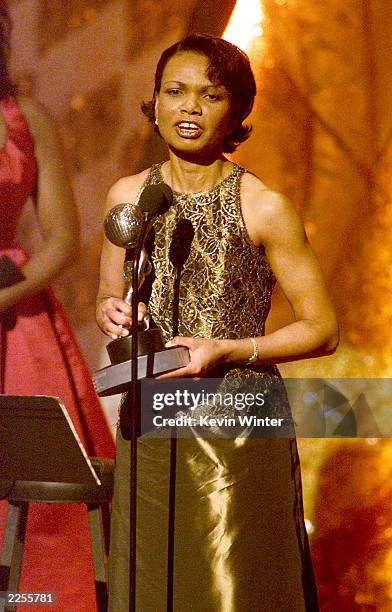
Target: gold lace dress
x,y
239,539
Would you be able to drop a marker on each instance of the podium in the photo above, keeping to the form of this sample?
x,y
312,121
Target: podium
x,y
43,460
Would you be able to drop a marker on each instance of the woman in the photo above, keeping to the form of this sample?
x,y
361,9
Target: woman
x,y
240,542
39,355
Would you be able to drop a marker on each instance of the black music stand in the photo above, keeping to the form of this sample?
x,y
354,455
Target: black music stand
x,y
43,460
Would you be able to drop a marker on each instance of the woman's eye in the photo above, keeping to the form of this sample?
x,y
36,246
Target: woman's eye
x,y
214,97
173,92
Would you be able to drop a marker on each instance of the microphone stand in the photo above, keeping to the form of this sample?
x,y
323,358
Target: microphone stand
x,y
134,416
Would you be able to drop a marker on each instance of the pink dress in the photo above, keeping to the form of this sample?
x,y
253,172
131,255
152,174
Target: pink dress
x,y
40,356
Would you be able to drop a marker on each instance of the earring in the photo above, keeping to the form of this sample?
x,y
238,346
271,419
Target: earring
x,y
156,121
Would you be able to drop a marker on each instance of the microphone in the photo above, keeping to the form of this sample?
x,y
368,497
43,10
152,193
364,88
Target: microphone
x,y
155,200
179,251
181,243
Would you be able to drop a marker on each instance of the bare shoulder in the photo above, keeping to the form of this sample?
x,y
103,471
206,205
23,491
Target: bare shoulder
x,y
263,200
126,189
268,214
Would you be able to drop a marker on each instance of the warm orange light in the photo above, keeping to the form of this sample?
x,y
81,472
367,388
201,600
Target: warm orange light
x,y
245,24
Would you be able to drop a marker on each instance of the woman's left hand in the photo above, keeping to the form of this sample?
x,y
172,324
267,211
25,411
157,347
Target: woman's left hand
x,y
204,354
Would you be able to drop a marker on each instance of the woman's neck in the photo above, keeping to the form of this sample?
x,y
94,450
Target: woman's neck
x,y
188,177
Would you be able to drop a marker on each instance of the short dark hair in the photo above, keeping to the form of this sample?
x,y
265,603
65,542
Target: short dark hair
x,y
7,88
228,66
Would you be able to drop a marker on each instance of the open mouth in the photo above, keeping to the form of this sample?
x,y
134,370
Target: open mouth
x,y
188,129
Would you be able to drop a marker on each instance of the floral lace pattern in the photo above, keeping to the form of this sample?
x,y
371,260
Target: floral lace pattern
x,y
222,287
226,282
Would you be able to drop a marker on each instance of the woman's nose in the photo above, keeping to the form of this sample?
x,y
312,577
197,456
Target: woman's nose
x,y
191,105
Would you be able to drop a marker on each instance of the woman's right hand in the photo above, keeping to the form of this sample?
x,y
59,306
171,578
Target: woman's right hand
x,y
114,316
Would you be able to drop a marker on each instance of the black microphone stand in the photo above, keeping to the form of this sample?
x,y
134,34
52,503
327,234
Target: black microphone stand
x,y
134,416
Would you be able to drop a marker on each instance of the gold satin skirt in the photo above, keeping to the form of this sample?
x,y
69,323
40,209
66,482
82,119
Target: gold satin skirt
x,y
239,538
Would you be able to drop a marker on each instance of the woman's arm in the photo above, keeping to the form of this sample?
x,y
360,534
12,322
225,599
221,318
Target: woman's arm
x,y
275,224
271,221
112,312
56,212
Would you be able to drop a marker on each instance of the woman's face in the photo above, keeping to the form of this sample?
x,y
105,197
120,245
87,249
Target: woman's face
x,y
193,114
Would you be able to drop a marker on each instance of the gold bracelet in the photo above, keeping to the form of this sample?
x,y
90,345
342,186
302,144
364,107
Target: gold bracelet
x,y
255,355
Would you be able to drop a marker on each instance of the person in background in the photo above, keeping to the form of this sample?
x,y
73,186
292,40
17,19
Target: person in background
x,y
240,543
39,354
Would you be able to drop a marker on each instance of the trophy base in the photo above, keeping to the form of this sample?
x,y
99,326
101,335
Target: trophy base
x,y
148,341
116,378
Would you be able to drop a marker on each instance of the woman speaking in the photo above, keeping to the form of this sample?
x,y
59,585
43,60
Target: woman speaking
x,y
240,543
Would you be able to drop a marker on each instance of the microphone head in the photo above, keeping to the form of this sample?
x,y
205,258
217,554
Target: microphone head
x,y
181,242
122,224
155,199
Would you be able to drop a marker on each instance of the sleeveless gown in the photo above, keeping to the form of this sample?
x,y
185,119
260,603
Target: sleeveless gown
x,y
240,543
40,357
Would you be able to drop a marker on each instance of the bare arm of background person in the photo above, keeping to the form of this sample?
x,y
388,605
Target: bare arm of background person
x,y
56,213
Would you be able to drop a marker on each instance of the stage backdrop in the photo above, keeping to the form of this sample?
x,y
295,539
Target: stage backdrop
x,y
322,135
